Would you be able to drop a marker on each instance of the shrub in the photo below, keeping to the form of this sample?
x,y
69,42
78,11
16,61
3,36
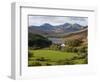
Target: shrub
x,y
55,47
68,49
75,58
48,64
74,49
82,56
69,62
30,54
74,42
82,49
85,61
36,64
65,62
71,49
60,62
41,59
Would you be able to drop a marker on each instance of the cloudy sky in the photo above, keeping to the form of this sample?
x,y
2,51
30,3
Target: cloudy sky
x,y
56,20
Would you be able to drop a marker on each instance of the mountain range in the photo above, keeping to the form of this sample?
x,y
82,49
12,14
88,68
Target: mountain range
x,y
47,29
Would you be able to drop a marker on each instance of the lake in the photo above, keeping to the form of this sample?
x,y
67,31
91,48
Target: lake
x,y
57,40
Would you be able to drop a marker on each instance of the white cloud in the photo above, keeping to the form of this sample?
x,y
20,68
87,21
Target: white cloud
x,y
56,20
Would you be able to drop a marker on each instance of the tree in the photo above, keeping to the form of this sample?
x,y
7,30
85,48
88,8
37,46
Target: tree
x,y
37,41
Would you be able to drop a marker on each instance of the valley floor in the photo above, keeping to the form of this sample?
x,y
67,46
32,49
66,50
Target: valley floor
x,y
52,57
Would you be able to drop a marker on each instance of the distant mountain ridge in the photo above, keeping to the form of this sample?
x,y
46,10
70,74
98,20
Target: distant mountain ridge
x,y
51,30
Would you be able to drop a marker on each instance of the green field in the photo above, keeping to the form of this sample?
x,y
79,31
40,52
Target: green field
x,y
52,57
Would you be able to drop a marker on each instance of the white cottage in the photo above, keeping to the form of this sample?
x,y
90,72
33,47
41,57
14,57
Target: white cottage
x,y
62,45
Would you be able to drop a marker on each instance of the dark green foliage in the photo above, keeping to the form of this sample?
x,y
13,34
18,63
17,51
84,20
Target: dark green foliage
x,y
68,49
30,54
70,62
83,49
41,59
65,62
82,52
55,47
37,41
48,64
60,62
85,61
71,49
74,42
35,64
74,49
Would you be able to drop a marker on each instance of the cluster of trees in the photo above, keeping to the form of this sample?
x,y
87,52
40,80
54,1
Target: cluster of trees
x,y
36,41
75,45
74,42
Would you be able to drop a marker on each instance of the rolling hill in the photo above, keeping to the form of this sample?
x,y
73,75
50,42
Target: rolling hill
x,y
83,34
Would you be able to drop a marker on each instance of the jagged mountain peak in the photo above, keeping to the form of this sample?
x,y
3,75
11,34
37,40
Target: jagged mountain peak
x,y
75,24
46,24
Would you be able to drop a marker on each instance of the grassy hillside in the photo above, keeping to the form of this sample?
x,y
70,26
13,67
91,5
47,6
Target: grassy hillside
x,y
51,57
76,35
